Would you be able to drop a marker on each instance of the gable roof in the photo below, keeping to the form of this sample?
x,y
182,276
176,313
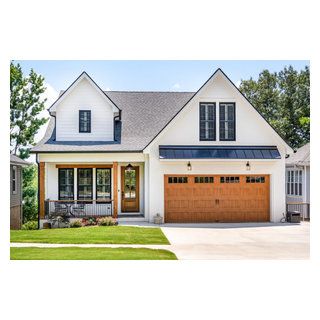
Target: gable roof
x,y
237,89
64,93
145,115
301,157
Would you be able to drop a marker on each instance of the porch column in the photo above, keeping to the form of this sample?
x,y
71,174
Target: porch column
x,y
41,189
115,189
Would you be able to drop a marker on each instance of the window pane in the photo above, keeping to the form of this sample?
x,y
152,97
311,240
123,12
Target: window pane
x,y
66,184
103,180
227,121
207,121
85,184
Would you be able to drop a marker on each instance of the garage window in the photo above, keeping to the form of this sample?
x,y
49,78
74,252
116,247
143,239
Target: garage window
x,y
178,180
203,180
229,179
253,179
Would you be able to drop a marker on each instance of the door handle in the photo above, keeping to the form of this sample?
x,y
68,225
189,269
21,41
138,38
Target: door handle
x,y
217,201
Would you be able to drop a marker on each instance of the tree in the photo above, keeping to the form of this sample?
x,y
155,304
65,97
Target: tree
x,y
29,194
283,98
25,106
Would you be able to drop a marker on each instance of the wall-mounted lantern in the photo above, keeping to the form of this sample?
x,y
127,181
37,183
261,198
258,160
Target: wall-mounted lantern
x,y
189,166
129,167
248,167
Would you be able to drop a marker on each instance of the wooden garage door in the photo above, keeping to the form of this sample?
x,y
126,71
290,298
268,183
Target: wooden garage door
x,y
217,198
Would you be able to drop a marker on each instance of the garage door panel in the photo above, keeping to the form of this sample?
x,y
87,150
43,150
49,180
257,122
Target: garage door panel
x,y
240,198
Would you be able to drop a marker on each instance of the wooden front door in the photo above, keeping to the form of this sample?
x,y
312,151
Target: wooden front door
x,y
130,189
217,198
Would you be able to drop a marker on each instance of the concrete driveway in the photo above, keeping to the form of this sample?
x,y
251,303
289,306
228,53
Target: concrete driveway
x,y
239,241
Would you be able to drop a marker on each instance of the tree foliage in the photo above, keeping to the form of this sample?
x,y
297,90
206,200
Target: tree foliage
x,y
29,193
283,98
25,106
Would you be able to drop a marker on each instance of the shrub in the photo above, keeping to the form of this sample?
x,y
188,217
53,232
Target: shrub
x,y
30,225
75,224
107,221
91,221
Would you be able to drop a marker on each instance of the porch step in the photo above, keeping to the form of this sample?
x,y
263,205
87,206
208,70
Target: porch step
x,y
130,218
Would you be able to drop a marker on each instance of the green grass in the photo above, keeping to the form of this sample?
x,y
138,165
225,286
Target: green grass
x,y
75,253
92,235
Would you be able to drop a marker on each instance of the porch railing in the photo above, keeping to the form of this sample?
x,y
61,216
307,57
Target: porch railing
x,y
78,208
302,207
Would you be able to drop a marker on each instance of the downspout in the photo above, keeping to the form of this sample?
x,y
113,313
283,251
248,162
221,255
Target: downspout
x,y
114,121
38,190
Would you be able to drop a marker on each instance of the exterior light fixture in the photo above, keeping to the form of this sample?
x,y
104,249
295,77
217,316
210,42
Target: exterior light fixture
x,y
189,166
248,166
129,167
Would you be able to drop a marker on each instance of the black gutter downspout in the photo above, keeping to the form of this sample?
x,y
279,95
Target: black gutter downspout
x,y
114,127
38,191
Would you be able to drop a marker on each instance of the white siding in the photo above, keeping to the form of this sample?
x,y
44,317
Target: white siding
x,y
251,128
84,97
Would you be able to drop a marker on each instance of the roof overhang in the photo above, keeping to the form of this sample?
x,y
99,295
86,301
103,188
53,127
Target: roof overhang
x,y
82,76
219,152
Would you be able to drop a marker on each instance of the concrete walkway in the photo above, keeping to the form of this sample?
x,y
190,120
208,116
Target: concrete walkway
x,y
221,241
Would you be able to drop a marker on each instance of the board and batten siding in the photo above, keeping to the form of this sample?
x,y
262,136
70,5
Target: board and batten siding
x,y
84,97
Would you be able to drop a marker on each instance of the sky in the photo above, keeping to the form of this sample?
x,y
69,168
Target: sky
x,y
145,75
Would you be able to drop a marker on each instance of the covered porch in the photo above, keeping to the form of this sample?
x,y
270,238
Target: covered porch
x,y
83,190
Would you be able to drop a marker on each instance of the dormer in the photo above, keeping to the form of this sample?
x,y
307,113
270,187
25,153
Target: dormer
x,y
84,112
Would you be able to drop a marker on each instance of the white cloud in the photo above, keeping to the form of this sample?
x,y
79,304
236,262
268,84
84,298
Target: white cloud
x,y
238,83
176,86
107,89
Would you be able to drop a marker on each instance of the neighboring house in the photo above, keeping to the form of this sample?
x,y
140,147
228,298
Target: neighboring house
x,y
16,165
298,179
188,156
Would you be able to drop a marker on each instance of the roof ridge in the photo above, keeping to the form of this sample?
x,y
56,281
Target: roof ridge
x,y
150,91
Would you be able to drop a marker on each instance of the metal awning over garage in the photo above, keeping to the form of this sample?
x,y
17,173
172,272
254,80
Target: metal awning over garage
x,y
219,152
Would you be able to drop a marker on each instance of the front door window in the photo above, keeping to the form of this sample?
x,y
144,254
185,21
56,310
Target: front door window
x,y
130,189
130,184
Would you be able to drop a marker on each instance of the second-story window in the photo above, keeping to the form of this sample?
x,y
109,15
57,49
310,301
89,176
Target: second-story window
x,y
207,121
84,121
227,121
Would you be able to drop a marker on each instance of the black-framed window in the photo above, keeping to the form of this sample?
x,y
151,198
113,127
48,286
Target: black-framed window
x,y
229,179
85,121
103,184
66,184
203,179
14,179
227,124
84,183
178,180
207,121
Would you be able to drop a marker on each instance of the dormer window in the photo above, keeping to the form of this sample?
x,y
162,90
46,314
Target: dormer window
x,y
85,121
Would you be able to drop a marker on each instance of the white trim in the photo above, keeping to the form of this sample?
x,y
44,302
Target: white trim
x,y
71,88
14,178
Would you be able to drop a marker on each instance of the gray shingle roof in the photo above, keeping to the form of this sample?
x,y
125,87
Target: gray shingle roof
x,y
144,114
301,157
16,160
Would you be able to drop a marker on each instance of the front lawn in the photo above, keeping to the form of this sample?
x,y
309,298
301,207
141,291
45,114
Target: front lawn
x,y
75,253
92,235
